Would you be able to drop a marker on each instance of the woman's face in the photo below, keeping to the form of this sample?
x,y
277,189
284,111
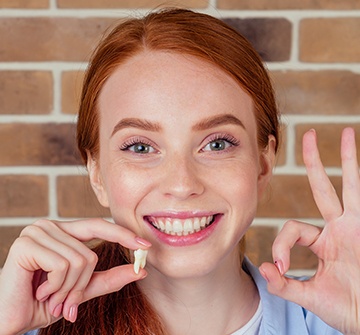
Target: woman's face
x,y
179,163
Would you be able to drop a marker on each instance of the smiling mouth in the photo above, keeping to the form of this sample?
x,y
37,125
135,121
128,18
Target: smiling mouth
x,y
180,227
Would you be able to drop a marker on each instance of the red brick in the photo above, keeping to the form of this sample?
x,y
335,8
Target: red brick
x,y
270,37
302,258
27,4
330,40
318,92
71,84
50,38
290,197
38,144
328,137
23,195
125,3
287,4
77,199
259,240
26,92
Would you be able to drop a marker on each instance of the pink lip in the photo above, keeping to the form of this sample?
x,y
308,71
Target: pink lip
x,y
187,240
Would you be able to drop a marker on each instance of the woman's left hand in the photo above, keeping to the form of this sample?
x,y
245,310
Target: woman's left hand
x,y
333,293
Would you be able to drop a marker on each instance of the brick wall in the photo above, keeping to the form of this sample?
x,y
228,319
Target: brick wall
x,y
311,47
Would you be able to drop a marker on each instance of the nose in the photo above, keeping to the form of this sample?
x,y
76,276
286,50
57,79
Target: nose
x,y
181,179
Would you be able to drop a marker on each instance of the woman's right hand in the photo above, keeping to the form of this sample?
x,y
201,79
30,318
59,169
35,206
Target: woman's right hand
x,y
49,271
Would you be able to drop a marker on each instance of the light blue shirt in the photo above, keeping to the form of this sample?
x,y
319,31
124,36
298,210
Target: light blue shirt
x,y
281,317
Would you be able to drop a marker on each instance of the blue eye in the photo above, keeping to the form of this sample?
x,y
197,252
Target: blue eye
x,y
220,143
141,148
217,145
138,147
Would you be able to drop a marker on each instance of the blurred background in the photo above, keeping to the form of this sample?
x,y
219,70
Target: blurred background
x,y
311,48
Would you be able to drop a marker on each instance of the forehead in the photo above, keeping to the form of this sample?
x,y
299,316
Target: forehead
x,y
152,84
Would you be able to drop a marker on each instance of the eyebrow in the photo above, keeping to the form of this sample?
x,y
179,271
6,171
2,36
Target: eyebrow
x,y
208,123
216,121
136,123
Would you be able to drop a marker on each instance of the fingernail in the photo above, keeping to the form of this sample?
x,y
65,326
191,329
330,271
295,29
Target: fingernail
x,y
280,266
57,310
73,313
142,242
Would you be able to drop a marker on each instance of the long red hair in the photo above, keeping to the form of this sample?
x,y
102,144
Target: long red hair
x,y
172,30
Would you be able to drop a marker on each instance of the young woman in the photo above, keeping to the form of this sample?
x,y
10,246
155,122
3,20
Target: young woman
x,y
179,128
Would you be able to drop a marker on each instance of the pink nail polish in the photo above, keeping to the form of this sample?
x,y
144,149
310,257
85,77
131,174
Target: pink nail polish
x,y
142,242
280,266
57,310
73,313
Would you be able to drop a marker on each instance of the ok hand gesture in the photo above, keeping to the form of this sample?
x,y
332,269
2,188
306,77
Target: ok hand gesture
x,y
333,293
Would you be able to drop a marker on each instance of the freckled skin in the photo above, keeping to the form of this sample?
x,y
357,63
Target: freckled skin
x,y
180,171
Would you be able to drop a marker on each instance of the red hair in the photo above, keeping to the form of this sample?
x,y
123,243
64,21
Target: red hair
x,y
185,32
173,30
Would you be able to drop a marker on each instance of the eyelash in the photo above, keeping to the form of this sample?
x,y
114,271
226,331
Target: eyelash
x,y
225,137
217,137
135,141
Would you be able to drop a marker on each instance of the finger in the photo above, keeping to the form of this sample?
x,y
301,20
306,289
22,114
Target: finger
x,y
323,191
101,283
33,257
111,280
78,264
78,277
87,230
350,167
82,260
284,287
76,292
293,232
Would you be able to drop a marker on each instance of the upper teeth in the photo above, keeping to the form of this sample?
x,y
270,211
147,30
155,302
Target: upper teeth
x,y
181,227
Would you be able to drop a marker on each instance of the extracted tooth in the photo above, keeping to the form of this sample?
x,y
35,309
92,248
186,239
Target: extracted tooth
x,y
140,259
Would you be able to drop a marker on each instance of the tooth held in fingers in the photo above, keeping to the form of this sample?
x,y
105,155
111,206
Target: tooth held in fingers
x,y
140,259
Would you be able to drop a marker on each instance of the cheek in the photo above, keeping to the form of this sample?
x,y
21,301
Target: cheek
x,y
240,177
243,199
241,191
126,189
244,189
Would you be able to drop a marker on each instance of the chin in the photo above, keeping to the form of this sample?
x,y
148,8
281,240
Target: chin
x,y
189,264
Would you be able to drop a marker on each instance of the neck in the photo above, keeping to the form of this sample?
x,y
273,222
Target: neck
x,y
217,303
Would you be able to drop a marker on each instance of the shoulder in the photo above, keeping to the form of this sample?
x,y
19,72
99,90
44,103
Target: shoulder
x,y
282,317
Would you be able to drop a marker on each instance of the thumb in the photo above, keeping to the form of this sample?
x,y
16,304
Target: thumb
x,y
111,280
284,287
